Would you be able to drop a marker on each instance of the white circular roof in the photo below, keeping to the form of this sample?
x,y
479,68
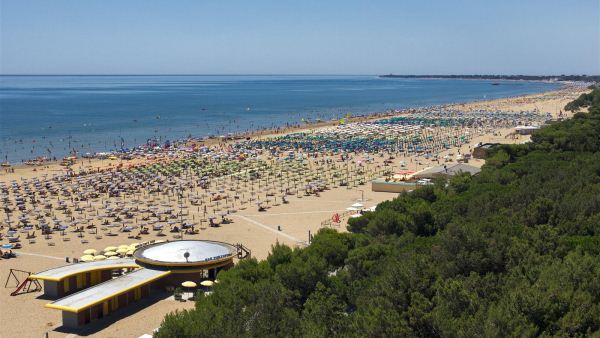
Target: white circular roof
x,y
175,252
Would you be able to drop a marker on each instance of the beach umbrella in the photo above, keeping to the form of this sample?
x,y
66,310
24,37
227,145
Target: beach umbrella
x,y
86,258
90,252
99,258
129,253
113,257
122,251
110,248
188,284
110,253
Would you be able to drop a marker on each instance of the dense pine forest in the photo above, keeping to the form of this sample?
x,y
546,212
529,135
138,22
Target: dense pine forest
x,y
511,252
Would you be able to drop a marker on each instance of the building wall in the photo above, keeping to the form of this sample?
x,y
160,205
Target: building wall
x,y
51,289
75,283
70,319
382,186
106,308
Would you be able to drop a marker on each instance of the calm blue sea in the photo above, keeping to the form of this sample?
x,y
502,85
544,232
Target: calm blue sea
x,y
51,115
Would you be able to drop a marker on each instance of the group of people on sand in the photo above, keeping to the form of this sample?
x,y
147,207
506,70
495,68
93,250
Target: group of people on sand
x,y
176,186
7,254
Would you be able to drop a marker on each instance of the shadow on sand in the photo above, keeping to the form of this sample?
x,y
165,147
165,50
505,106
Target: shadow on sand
x,y
45,297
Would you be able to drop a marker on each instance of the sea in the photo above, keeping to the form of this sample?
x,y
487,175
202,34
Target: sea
x,y
53,116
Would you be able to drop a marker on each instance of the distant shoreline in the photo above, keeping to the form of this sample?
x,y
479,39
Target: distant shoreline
x,y
291,126
580,78
552,78
310,126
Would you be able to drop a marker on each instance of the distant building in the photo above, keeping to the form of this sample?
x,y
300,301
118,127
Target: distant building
x,y
381,185
482,150
526,130
446,170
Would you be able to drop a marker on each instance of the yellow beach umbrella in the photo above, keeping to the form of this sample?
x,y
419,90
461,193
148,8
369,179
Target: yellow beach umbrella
x,y
134,245
129,253
110,248
90,252
86,258
99,258
188,284
123,246
122,251
110,253
113,257
206,283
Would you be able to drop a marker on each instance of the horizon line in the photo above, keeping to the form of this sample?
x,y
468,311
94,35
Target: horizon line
x,y
283,74
190,74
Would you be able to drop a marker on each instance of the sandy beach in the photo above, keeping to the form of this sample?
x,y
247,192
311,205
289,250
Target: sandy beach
x,y
258,201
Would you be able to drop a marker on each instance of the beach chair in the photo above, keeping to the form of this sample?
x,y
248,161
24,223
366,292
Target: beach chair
x,y
51,244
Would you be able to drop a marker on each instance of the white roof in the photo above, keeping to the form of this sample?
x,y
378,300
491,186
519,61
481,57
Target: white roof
x,y
174,252
103,291
70,270
526,127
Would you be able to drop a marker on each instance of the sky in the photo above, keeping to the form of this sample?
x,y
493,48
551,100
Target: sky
x,y
300,37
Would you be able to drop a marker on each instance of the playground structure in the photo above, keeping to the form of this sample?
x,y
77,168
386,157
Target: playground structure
x,y
89,291
23,285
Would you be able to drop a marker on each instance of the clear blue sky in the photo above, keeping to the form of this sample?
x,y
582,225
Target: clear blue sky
x,y
299,37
